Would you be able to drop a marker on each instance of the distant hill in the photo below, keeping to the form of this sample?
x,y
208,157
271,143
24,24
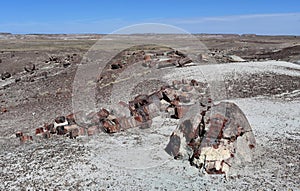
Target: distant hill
x,y
5,33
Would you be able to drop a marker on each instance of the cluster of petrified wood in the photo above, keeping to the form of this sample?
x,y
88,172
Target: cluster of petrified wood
x,y
211,136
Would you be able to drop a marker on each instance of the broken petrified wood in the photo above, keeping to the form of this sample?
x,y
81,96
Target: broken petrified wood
x,y
50,128
103,113
74,133
139,108
147,57
19,134
180,111
222,135
39,130
183,61
60,119
71,119
211,137
46,135
61,130
110,126
25,138
70,127
59,125
130,122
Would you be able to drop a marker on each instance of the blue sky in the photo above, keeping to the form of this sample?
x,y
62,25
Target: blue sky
x,y
195,16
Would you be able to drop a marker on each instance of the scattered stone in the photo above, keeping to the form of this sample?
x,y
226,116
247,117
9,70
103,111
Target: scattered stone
x,y
60,120
102,114
69,128
4,110
66,64
110,126
46,135
183,61
234,58
61,130
25,138
30,68
211,137
19,134
39,131
50,128
5,75
74,133
53,59
71,119
147,57
115,66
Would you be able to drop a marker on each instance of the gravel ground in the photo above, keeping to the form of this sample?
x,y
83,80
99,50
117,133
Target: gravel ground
x,y
135,159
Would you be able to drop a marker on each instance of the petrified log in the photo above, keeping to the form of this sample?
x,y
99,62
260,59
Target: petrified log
x,y
110,126
39,130
25,138
222,135
211,137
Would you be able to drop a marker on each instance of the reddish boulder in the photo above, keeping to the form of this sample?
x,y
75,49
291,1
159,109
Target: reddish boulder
x,y
103,113
214,140
110,126
39,130
25,138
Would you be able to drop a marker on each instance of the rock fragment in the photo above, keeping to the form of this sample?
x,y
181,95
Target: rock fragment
x,y
19,134
39,130
25,138
110,126
74,133
5,75
46,134
4,110
30,68
50,128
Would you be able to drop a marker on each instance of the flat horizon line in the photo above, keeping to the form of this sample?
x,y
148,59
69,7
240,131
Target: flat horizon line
x,y
87,34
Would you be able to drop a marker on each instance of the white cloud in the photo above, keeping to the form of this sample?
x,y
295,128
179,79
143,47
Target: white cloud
x,y
229,18
281,23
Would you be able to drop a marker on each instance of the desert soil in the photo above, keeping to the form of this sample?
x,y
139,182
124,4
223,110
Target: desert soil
x,y
266,87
